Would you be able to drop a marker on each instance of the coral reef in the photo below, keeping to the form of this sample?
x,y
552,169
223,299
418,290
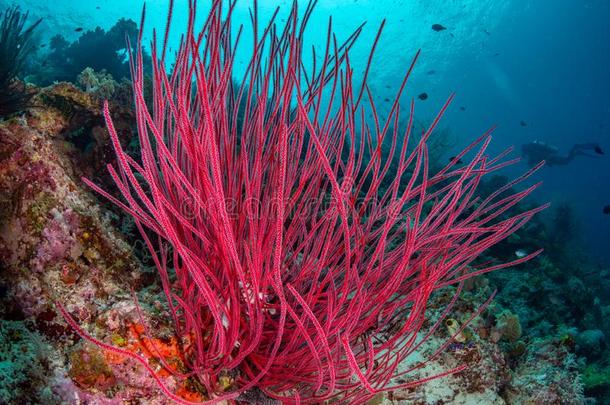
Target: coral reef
x,y
48,219
542,371
543,340
547,375
25,359
101,83
56,243
561,298
98,50
507,327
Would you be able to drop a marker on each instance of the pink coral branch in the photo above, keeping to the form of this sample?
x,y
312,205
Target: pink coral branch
x,y
294,240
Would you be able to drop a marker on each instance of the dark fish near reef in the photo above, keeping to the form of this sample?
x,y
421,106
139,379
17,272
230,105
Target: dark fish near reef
x,y
463,108
598,150
438,27
455,160
423,96
431,72
43,45
79,29
606,209
523,123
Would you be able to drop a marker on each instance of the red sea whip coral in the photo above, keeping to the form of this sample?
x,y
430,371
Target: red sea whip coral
x,y
296,253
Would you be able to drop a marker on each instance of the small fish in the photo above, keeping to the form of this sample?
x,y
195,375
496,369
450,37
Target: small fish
x,y
496,54
43,45
520,253
387,100
98,7
523,123
431,72
423,96
79,29
487,32
455,160
462,108
606,209
438,27
387,86
598,150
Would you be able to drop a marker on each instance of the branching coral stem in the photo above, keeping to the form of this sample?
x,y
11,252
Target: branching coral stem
x,y
305,240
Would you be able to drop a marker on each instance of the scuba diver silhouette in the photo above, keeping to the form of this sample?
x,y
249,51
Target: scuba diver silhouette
x,y
537,151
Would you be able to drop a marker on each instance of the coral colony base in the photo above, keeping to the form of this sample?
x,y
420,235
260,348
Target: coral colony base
x,y
298,243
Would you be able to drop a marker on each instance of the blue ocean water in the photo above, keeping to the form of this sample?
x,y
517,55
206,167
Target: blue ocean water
x,y
536,69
